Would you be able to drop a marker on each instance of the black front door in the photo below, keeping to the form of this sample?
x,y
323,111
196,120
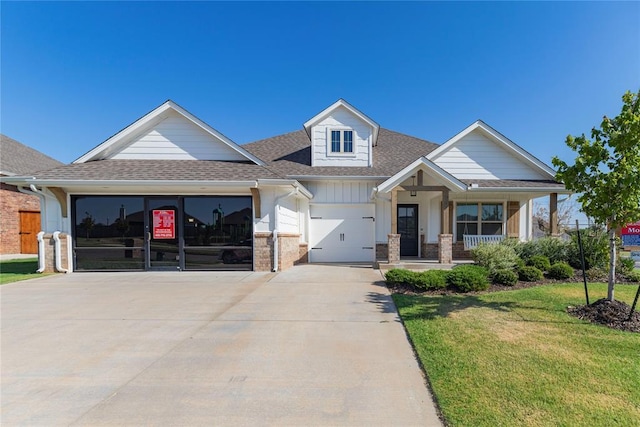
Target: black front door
x,y
408,229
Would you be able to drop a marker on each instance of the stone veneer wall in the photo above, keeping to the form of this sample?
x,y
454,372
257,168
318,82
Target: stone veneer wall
x,y
382,250
303,254
11,203
49,252
393,248
288,250
430,251
262,252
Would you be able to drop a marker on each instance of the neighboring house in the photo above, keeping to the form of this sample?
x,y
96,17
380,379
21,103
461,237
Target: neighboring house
x,y
171,192
19,212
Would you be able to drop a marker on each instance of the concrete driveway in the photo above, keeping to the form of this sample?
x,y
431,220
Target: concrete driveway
x,y
314,345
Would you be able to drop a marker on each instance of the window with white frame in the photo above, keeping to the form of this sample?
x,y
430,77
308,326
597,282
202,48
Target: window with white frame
x,y
479,219
341,141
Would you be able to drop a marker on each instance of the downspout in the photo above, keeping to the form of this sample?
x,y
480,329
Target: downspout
x,y
58,256
41,257
276,220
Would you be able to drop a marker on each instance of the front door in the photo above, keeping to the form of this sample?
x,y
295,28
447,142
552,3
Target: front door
x,y
29,228
162,227
408,229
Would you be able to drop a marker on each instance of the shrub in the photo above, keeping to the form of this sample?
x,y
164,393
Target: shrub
x,y
495,257
626,265
399,276
467,278
505,277
597,275
633,276
519,263
540,262
595,244
554,249
430,280
530,274
560,270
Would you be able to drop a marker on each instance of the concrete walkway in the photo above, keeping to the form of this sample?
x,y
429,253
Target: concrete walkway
x,y
314,345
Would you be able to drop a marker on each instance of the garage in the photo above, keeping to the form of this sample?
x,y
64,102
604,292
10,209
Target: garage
x,y
342,233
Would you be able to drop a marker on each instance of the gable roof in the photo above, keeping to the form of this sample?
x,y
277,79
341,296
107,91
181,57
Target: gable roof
x,y
436,172
503,142
290,155
341,103
118,141
19,159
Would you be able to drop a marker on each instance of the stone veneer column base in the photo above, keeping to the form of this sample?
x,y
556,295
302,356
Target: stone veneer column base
x,y
50,253
393,248
445,248
262,252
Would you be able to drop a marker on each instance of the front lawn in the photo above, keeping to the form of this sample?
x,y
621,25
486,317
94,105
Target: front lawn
x,y
18,269
516,358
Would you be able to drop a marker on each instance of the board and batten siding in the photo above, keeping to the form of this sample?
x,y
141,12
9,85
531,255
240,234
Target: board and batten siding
x,y
340,191
175,138
341,119
477,157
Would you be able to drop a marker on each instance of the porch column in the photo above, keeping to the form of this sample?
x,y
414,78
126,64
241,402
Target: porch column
x,y
445,226
553,214
393,248
445,248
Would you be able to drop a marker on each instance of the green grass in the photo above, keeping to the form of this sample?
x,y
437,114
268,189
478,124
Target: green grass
x,y
515,358
19,269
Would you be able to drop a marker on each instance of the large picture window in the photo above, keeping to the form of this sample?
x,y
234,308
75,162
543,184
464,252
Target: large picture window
x,y
479,219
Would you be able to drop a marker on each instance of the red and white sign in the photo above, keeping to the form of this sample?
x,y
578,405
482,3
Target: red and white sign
x,y
631,228
164,224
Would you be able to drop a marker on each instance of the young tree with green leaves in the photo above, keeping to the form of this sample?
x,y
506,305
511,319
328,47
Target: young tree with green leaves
x,y
606,173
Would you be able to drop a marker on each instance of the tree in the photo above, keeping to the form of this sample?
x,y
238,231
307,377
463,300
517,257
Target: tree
x,y
606,173
566,210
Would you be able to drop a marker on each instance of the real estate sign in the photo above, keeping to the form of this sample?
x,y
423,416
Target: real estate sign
x,y
164,224
631,235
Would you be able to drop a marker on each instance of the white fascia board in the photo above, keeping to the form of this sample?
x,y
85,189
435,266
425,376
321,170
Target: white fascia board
x,y
5,173
342,103
545,190
432,170
15,179
287,182
156,115
131,183
497,136
337,177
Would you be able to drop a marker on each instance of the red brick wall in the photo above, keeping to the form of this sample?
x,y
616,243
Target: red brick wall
x,y
11,203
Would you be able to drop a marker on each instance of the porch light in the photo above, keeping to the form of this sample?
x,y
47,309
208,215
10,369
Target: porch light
x,y
413,193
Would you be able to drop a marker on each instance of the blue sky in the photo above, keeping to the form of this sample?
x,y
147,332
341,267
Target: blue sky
x,y
74,73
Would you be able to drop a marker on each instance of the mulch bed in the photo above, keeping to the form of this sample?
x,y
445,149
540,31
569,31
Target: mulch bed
x,y
614,314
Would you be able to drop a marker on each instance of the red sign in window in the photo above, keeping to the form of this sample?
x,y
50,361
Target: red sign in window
x,y
164,224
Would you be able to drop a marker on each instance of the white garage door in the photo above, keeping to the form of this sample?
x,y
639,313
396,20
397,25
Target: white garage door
x,y
342,233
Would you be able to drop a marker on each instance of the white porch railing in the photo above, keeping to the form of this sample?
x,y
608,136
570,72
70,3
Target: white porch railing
x,y
472,240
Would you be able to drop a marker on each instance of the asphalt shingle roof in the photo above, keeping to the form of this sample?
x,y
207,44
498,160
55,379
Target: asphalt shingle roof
x,y
290,155
19,159
157,170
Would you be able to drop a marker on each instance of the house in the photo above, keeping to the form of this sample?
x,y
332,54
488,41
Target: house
x,y
171,192
19,212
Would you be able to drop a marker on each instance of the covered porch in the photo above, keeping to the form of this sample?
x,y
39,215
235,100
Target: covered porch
x,y
436,219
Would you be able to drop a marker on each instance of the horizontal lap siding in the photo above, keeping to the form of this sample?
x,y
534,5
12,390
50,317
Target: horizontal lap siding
x,y
177,139
477,157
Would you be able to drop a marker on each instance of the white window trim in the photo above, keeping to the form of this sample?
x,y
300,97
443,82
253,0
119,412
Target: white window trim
x,y
341,153
479,222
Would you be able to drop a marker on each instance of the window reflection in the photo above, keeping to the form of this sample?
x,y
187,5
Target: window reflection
x,y
217,221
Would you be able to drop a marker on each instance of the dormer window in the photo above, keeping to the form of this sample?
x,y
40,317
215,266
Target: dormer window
x,y
341,141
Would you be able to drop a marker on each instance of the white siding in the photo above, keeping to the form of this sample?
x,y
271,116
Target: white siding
x,y
175,138
477,157
362,138
288,215
383,220
340,191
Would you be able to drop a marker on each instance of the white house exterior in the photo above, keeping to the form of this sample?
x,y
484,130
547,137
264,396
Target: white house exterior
x,y
171,192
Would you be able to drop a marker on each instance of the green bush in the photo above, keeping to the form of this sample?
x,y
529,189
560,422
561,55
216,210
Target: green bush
x,y
554,249
468,278
560,270
495,257
520,263
505,277
595,244
530,274
597,275
399,276
540,262
633,276
430,280
626,265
